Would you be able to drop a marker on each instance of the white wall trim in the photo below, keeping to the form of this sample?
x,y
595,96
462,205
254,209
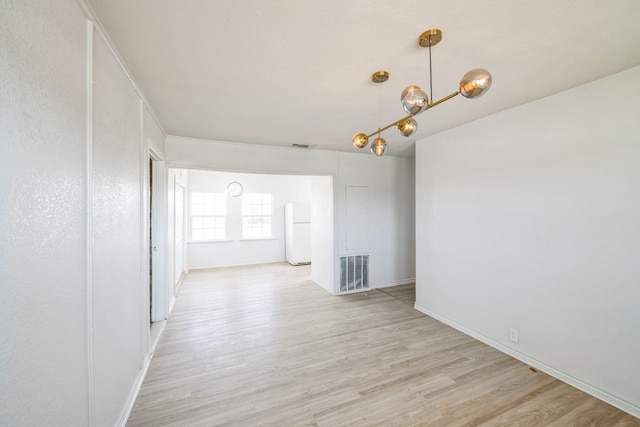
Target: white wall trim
x,y
154,151
178,285
135,390
196,242
131,400
172,302
89,222
408,281
551,370
274,261
158,211
145,335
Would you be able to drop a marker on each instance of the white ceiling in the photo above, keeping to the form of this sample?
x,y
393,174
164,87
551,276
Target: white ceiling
x,y
298,71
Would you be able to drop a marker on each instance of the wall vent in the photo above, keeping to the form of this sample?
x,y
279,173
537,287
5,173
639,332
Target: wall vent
x,y
300,145
354,273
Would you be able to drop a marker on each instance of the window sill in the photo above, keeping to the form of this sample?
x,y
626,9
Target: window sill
x,y
210,241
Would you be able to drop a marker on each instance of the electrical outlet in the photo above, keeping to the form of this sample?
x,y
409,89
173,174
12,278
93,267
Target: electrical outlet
x,y
513,335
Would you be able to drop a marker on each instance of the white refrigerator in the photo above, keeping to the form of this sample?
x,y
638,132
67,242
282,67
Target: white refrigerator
x,y
297,220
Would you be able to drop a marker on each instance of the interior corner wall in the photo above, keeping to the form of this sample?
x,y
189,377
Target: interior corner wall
x,y
388,223
43,355
71,160
322,226
528,219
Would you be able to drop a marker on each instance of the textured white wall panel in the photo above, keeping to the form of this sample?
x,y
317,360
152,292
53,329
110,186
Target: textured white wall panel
x,y
116,236
43,357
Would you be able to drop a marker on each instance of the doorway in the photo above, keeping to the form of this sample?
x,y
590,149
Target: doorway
x,y
157,237
179,205
152,248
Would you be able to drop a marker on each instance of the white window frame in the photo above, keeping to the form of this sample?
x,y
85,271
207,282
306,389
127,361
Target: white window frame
x,y
211,214
255,208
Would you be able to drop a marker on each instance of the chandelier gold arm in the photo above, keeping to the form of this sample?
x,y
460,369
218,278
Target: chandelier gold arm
x,y
397,122
473,84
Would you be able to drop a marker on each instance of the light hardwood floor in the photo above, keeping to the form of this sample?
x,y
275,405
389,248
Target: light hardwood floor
x,y
263,345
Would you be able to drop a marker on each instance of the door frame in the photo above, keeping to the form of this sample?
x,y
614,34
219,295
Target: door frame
x,y
159,303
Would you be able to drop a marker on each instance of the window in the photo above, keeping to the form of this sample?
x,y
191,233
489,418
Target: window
x,y
257,216
208,216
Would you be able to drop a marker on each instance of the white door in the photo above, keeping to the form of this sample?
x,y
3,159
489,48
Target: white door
x,y
157,235
179,232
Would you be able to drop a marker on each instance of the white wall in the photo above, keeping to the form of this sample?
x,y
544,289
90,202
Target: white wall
x,y
391,240
528,219
117,260
43,204
180,177
234,250
390,218
322,240
74,311
190,153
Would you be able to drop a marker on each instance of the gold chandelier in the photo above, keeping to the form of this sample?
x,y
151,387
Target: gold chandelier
x,y
415,101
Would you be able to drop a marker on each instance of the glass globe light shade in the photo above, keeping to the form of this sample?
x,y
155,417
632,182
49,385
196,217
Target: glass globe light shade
x,y
378,146
408,127
360,140
414,100
475,83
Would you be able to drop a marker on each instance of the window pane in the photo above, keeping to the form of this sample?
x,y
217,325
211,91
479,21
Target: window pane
x,y
219,222
208,212
257,212
197,222
208,205
219,205
196,203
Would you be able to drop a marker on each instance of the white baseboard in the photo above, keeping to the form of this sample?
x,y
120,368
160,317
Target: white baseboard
x,y
241,264
171,304
554,372
379,286
396,283
124,417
